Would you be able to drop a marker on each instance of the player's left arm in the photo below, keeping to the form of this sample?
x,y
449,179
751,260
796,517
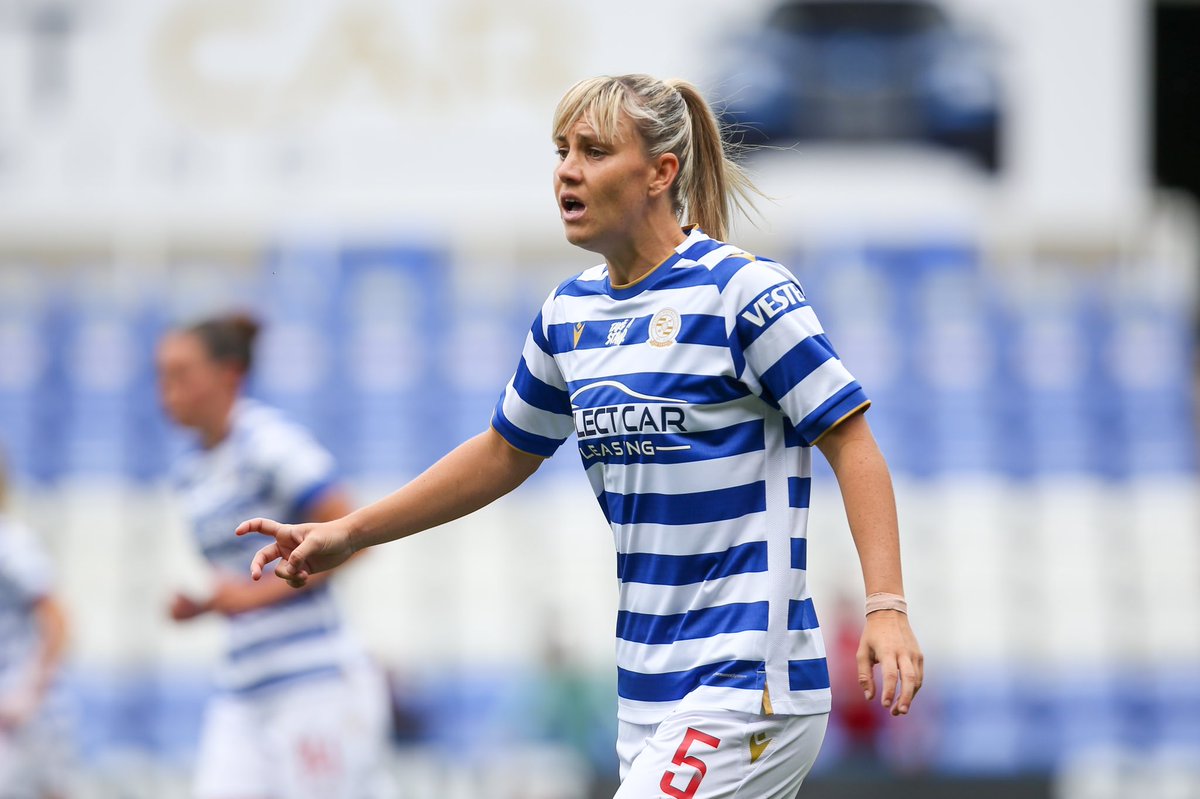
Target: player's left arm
x,y
866,487
233,596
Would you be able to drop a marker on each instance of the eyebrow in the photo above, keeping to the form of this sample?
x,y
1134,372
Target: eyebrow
x,y
583,137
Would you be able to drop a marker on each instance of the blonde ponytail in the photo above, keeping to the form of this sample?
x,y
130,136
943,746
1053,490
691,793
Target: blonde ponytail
x,y
714,184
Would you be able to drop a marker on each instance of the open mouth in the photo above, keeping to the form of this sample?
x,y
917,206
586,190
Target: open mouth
x,y
572,208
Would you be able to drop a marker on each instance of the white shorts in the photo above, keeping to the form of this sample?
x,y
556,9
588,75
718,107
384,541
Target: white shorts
x,y
718,754
321,738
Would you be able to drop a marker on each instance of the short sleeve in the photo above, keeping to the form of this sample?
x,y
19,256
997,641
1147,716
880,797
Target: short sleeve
x,y
300,469
24,567
782,353
534,411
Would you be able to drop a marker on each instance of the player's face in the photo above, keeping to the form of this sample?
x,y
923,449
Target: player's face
x,y
602,187
192,385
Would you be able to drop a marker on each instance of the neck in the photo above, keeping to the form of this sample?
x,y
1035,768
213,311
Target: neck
x,y
217,429
636,257
211,436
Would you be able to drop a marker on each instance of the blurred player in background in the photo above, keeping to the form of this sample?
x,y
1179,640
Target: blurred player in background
x,y
297,692
698,380
34,736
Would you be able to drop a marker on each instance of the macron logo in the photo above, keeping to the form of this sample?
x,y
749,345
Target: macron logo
x,y
773,302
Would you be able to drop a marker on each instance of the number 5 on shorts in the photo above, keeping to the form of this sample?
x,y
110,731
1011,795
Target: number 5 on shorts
x,y
682,758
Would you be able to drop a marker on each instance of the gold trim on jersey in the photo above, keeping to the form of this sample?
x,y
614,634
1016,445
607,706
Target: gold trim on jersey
x,y
848,414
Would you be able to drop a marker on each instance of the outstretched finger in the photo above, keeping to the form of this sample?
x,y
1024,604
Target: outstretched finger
x,y
264,556
264,526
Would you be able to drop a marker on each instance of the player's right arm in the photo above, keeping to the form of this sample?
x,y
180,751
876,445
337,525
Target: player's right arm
x,y
473,475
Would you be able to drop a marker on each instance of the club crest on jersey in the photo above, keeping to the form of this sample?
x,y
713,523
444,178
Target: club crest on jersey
x,y
664,328
616,333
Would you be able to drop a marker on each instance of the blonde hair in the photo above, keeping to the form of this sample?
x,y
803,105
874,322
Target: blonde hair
x,y
672,117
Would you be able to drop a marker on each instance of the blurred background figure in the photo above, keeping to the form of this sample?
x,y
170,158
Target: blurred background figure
x,y
35,736
374,179
302,711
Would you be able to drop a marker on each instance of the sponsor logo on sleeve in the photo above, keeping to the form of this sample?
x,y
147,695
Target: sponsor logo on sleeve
x,y
773,302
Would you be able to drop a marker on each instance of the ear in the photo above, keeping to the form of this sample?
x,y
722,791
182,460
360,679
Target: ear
x,y
666,169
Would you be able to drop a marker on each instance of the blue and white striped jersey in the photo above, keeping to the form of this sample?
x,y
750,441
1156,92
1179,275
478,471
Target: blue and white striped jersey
x,y
266,466
25,578
696,395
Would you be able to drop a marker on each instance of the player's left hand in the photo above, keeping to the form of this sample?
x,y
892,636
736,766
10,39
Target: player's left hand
x,y
888,640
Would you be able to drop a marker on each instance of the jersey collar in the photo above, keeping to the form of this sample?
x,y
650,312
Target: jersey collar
x,y
655,275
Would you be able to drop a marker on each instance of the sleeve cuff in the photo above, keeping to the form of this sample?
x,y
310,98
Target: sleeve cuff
x,y
515,437
833,412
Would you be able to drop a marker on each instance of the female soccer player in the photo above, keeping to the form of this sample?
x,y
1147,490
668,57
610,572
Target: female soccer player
x,y
34,742
697,380
296,691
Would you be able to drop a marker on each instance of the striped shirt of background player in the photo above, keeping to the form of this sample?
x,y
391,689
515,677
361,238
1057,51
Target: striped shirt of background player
x,y
270,467
25,578
709,519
